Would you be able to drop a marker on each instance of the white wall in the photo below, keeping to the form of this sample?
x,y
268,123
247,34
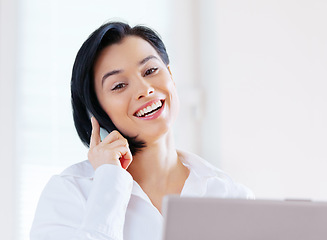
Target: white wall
x,y
7,108
271,69
183,43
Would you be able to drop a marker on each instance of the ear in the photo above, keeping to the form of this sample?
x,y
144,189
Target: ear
x,y
171,75
169,71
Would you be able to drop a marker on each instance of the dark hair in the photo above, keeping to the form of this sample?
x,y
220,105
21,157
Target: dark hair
x,y
83,97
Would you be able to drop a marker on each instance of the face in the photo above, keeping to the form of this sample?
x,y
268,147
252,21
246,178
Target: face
x,y
135,88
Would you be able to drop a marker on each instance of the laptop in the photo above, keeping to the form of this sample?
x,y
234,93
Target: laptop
x,y
241,219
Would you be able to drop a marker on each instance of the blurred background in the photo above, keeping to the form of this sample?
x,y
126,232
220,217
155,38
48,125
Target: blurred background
x,y
251,75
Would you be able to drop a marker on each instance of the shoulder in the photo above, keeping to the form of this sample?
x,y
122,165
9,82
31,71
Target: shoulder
x,y
201,166
82,169
72,184
74,180
218,183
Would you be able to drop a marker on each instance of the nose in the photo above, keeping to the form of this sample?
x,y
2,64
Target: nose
x,y
143,89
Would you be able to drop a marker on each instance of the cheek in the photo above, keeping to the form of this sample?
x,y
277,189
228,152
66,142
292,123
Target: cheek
x,y
119,118
176,103
115,108
174,99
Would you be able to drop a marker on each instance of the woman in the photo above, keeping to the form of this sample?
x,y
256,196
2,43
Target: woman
x,y
121,81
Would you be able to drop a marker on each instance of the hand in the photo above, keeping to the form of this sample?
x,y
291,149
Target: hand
x,y
112,150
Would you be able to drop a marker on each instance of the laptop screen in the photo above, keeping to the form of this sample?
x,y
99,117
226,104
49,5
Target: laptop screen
x,y
240,219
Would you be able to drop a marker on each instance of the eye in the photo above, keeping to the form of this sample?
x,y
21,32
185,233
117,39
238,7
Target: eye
x,y
150,71
118,86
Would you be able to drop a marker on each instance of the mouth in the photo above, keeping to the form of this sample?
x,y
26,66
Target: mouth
x,y
150,109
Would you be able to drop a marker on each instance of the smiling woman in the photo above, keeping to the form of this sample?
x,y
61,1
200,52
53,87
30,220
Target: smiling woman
x,y
121,77
141,79
93,56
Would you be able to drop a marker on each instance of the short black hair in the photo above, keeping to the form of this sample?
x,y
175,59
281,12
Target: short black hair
x,y
83,96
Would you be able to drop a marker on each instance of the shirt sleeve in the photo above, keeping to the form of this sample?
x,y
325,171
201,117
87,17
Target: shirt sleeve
x,y
65,213
242,191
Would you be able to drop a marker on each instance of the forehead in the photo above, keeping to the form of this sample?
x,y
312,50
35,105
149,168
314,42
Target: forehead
x,y
130,50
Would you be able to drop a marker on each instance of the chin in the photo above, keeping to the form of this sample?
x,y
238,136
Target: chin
x,y
156,135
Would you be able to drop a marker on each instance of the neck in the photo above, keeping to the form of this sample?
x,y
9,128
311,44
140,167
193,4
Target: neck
x,y
156,164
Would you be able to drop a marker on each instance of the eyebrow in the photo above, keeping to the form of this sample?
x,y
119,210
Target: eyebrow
x,y
114,72
147,59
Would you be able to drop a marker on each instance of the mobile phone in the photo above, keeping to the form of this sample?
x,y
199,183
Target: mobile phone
x,y
103,133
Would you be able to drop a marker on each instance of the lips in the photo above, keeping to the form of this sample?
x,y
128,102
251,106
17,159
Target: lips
x,y
149,109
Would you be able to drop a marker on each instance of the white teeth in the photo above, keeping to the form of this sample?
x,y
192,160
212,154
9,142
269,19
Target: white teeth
x,y
148,109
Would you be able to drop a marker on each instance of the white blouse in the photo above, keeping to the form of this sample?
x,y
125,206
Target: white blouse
x,y
81,203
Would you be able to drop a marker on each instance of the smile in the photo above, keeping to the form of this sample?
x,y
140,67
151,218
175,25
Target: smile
x,y
150,109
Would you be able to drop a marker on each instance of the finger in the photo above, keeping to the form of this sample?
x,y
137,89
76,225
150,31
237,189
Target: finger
x,y
95,135
113,136
117,143
119,154
126,158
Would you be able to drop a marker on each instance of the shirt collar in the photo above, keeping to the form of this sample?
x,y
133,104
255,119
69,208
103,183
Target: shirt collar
x,y
200,171
195,184
197,164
